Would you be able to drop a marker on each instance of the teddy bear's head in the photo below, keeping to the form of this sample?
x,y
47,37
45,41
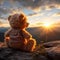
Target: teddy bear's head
x,y
18,21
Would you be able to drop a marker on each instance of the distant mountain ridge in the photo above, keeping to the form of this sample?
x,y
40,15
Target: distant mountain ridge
x,y
38,33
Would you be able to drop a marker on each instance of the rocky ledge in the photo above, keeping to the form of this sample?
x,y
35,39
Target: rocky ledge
x,y
52,52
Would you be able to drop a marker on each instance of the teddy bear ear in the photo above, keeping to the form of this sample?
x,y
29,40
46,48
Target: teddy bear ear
x,y
21,16
9,17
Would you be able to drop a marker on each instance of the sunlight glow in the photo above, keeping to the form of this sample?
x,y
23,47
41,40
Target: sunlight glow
x,y
47,24
4,25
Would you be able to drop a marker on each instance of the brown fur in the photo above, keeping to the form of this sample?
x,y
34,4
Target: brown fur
x,y
17,37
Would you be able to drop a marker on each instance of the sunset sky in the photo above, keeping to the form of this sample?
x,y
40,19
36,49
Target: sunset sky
x,y
37,11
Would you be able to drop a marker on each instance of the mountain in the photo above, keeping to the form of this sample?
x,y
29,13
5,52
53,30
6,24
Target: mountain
x,y
43,35
38,33
2,31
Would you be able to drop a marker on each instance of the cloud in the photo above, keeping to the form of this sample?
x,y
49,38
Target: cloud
x,y
12,6
58,13
1,1
7,7
32,14
4,12
0,22
33,4
38,3
4,23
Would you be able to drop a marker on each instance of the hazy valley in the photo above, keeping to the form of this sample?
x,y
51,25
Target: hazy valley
x,y
38,33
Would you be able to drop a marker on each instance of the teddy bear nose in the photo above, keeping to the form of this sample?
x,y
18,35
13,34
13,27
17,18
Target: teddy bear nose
x,y
27,23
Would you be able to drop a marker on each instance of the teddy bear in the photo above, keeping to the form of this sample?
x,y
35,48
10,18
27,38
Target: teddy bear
x,y
17,36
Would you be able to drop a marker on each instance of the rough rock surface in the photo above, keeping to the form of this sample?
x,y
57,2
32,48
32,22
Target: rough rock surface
x,y
9,54
13,54
52,53
53,50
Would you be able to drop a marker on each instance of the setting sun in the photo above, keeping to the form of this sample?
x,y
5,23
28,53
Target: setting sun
x,y
47,25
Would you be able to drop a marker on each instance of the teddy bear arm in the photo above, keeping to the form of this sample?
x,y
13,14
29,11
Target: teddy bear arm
x,y
27,35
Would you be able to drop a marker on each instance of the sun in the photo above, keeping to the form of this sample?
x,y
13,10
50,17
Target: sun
x,y
47,25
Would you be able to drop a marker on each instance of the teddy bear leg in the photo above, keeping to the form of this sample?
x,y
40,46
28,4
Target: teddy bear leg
x,y
31,45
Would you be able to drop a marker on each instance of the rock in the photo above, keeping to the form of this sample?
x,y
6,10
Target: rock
x,y
10,54
39,57
53,50
13,54
51,44
52,53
